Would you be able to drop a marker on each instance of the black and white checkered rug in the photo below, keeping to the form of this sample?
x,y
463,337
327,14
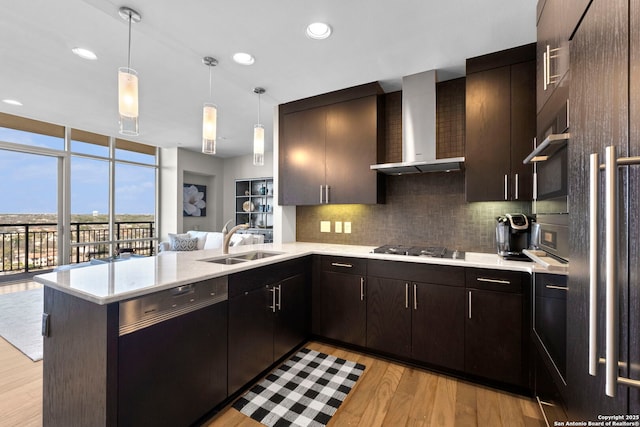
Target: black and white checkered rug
x,y
306,390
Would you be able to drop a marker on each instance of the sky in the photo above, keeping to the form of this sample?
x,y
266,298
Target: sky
x,y
28,182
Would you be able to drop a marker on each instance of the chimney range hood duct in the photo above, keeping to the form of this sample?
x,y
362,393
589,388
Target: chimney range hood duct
x,y
419,130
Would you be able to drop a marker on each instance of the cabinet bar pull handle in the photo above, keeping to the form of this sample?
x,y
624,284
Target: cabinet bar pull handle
x,y
501,282
279,297
341,264
362,289
321,193
506,187
326,194
415,296
544,69
406,295
469,304
273,299
611,300
594,169
561,288
516,186
547,74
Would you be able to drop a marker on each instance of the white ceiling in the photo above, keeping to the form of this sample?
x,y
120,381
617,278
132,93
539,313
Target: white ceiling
x,y
372,40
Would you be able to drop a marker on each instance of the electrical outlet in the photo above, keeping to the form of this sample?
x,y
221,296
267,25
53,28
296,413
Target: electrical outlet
x,y
347,227
338,227
325,226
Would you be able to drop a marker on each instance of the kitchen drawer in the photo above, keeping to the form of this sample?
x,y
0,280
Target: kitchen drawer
x,y
255,278
551,286
417,272
494,280
346,265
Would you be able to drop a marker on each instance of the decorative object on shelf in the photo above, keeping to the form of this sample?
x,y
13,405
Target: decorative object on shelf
x,y
128,83
258,135
209,115
248,206
194,201
263,190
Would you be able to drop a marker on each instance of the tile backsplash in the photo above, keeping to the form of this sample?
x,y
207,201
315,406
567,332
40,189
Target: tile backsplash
x,y
421,209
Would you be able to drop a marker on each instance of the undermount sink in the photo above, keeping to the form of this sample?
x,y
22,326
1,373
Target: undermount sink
x,y
227,261
242,257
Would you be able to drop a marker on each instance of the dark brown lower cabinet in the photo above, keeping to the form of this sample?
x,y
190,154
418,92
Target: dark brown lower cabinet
x,y
268,317
437,334
343,307
497,326
416,311
420,321
250,336
389,316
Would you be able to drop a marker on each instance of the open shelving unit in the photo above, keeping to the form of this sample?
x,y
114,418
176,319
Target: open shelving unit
x,y
254,205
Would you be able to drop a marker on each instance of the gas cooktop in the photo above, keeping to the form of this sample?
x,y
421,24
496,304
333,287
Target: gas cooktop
x,y
424,251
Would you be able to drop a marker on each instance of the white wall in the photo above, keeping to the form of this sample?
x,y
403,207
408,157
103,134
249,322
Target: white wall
x,y
177,167
284,217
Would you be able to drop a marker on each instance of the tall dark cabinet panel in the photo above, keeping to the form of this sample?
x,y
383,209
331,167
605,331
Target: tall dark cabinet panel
x,y
634,204
487,145
601,116
500,109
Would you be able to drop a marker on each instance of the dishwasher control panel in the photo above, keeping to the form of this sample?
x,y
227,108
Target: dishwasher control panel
x,y
142,312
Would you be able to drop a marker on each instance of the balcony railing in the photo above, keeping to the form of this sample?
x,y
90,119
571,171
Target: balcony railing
x,y
29,247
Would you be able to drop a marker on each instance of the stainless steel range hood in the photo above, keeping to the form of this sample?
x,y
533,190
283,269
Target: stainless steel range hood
x,y
419,130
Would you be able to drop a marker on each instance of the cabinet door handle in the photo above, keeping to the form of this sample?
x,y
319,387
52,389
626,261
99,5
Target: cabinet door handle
x,y
362,289
517,185
321,193
326,194
406,295
545,62
611,276
594,170
500,282
415,296
273,299
341,264
469,304
506,187
560,288
279,297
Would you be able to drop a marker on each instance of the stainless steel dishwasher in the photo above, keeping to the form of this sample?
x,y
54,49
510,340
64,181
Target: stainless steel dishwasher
x,y
172,354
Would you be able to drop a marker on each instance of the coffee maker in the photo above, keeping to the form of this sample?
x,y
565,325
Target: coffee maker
x,y
513,235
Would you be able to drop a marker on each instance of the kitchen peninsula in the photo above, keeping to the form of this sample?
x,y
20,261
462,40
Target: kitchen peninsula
x,y
105,366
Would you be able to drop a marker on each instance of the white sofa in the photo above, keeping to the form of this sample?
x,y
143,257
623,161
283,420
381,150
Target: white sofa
x,y
196,240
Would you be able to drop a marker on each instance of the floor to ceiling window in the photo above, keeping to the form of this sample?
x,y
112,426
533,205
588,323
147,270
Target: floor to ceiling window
x,y
101,193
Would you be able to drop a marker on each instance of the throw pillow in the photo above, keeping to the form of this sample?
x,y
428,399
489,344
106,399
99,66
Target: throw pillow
x,y
179,243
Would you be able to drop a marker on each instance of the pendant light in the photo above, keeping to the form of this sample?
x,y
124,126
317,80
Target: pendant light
x,y
128,83
258,135
209,115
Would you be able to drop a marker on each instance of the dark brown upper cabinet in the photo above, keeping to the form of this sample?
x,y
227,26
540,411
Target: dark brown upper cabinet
x,y
327,144
500,125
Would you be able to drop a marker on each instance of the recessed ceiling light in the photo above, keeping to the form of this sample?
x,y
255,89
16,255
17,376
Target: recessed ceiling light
x,y
318,30
84,53
12,102
243,58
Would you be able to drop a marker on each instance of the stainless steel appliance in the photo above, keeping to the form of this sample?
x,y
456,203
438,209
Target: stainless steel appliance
x,y
420,251
513,235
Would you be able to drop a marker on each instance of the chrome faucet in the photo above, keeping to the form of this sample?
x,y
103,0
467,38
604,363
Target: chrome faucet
x,y
228,234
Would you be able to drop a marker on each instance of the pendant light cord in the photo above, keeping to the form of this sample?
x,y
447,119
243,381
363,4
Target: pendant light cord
x,y
209,82
129,57
259,95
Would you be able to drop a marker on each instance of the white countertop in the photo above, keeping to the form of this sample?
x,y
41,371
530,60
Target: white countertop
x,y
117,281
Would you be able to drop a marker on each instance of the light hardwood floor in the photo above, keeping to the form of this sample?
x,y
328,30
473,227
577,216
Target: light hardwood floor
x,y
390,394
387,394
